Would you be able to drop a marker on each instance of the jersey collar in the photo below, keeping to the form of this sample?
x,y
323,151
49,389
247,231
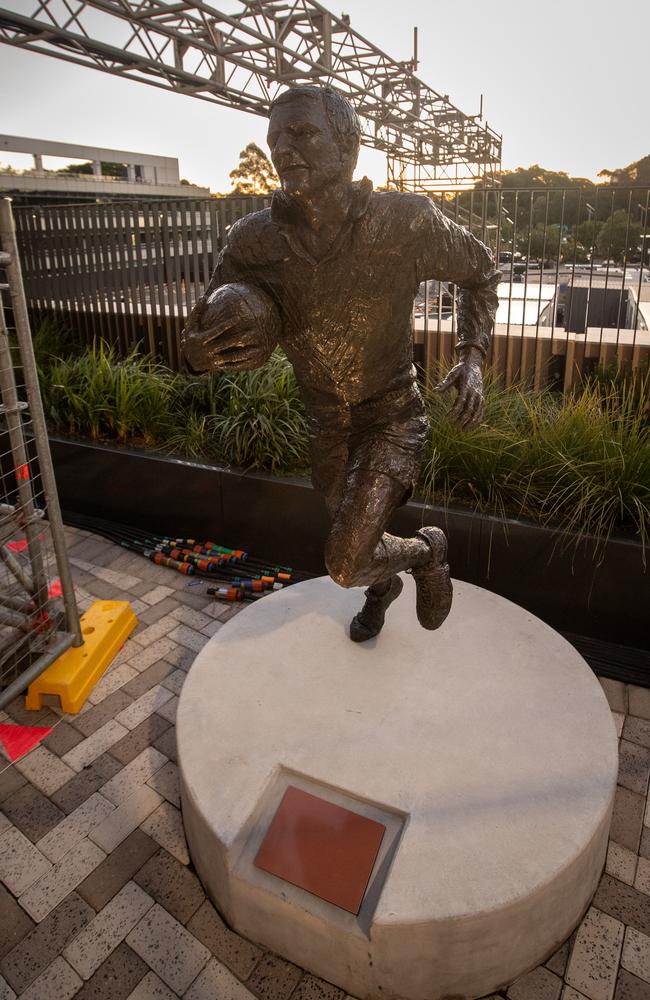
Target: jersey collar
x,y
283,214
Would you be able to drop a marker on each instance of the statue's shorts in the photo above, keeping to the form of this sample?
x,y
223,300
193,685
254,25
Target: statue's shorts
x,y
386,436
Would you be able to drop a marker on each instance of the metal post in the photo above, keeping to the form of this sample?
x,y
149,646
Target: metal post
x,y
12,409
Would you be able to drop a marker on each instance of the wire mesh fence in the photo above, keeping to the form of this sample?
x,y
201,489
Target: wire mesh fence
x,y
38,615
575,263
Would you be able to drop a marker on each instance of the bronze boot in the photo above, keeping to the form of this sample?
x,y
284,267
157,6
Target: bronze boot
x,y
432,581
369,621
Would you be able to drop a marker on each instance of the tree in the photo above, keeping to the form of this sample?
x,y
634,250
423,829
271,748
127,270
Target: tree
x,y
536,176
637,173
108,169
254,174
587,233
542,244
619,236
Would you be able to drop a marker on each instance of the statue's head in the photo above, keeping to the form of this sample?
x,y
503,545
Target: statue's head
x,y
314,136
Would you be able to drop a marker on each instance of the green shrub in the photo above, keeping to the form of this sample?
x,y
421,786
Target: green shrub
x,y
97,394
53,340
263,423
581,463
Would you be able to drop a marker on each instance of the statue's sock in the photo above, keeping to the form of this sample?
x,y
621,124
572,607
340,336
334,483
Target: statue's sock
x,y
369,621
395,555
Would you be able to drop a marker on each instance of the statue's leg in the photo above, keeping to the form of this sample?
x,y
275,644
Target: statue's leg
x,y
360,552
369,622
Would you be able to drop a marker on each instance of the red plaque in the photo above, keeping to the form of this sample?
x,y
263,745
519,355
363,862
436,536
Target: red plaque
x,y
321,847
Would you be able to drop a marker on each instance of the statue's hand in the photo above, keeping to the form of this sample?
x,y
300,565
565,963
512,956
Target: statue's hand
x,y
466,378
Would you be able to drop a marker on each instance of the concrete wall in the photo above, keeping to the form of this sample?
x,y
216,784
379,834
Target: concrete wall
x,y
158,175
87,185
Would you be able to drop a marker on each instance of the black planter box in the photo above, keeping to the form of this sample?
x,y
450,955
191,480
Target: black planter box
x,y
600,593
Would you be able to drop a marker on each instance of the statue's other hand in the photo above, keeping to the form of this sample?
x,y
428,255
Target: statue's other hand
x,y
466,378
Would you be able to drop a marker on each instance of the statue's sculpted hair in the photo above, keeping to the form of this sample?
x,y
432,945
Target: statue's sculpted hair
x,y
340,113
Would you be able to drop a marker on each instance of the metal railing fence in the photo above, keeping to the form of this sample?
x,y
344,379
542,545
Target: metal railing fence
x,y
38,611
575,287
575,262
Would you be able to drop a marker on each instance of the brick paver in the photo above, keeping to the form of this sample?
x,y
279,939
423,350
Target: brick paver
x,y
165,782
45,770
144,706
540,984
21,864
217,981
125,818
58,982
165,825
32,812
138,739
621,863
14,922
75,826
118,867
173,953
116,978
97,899
171,884
42,945
101,936
186,636
152,988
89,780
46,893
595,957
94,746
137,772
241,956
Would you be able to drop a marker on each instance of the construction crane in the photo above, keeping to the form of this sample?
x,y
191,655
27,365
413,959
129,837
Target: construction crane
x,y
241,59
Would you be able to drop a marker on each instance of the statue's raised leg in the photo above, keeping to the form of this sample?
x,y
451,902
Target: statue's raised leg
x,y
359,552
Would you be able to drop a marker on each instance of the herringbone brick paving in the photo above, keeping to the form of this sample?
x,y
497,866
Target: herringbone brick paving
x,y
98,896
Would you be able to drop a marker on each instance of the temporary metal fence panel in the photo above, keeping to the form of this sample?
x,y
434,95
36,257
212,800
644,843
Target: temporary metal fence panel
x,y
574,294
38,612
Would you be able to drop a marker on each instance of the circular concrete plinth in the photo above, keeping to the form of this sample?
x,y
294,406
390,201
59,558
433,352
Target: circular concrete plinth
x,y
486,748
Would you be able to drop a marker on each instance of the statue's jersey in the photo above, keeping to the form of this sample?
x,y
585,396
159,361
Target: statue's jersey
x,y
346,317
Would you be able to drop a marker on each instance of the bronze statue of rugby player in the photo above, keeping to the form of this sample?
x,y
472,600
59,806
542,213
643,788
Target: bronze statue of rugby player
x,y
338,266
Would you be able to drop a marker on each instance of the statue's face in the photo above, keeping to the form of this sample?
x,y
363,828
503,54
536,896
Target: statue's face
x,y
304,149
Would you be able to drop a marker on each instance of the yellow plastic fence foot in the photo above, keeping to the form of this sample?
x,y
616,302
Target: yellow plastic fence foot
x,y
105,626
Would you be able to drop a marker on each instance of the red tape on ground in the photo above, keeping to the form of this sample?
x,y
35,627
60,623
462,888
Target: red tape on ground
x,y
19,740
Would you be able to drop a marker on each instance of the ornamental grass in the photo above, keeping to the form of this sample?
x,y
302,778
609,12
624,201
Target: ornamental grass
x,y
579,462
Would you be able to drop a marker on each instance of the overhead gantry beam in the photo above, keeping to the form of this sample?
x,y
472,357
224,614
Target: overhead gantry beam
x,y
240,60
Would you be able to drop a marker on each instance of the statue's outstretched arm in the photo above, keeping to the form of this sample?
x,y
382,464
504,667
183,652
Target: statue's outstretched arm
x,y
450,253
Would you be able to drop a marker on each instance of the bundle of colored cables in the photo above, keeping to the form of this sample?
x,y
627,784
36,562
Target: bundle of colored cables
x,y
236,575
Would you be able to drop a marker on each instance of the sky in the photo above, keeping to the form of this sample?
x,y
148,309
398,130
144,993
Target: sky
x,y
565,82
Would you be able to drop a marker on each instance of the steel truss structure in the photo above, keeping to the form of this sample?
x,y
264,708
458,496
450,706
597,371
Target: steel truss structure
x,y
241,59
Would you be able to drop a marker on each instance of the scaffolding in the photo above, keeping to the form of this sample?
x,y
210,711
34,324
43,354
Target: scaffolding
x,y
242,58
38,613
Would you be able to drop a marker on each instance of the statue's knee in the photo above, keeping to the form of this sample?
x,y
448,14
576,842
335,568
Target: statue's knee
x,y
341,567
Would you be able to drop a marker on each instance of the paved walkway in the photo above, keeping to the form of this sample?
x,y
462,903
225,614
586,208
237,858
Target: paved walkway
x,y
98,898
